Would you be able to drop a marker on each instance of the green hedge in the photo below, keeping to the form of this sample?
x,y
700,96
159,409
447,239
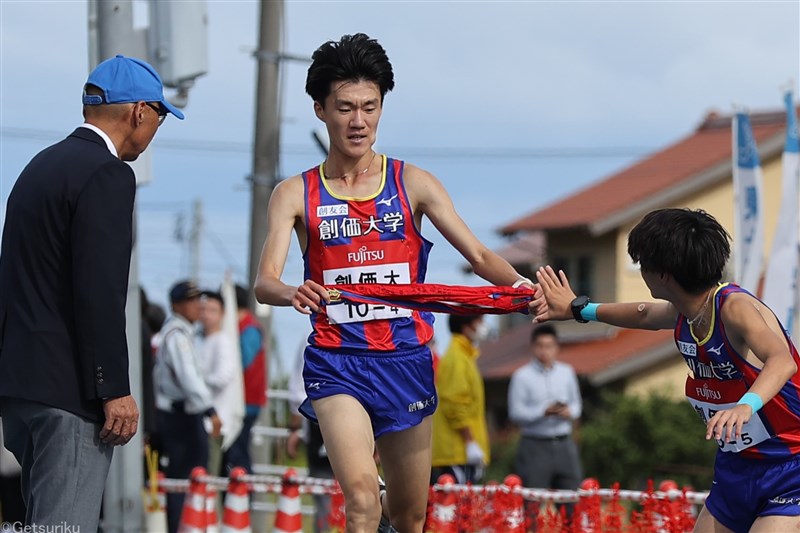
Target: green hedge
x,y
628,439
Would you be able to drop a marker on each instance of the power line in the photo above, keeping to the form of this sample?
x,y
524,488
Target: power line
x,y
233,147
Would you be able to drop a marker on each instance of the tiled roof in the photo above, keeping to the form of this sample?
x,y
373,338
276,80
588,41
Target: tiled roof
x,y
708,147
590,357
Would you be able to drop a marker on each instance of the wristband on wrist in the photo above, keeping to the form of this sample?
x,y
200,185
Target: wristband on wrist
x,y
753,400
520,281
590,312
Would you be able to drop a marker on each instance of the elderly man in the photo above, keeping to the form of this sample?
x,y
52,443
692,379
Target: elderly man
x,y
64,386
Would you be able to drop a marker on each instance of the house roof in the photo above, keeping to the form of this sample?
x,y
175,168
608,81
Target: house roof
x,y
689,164
606,355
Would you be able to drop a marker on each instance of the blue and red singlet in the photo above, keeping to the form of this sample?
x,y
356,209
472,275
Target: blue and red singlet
x,y
720,376
365,240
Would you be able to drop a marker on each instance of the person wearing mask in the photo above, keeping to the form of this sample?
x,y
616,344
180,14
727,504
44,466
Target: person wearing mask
x,y
460,437
544,400
182,397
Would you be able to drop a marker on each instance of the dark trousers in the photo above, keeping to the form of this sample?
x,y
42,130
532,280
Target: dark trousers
x,y
549,463
239,452
185,443
12,508
463,474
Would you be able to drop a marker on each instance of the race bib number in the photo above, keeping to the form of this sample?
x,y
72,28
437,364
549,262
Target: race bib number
x,y
708,397
345,313
753,432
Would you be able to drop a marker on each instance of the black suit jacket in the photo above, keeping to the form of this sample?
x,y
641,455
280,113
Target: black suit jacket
x,y
64,267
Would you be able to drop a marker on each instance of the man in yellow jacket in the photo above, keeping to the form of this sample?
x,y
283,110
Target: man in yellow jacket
x,y
460,438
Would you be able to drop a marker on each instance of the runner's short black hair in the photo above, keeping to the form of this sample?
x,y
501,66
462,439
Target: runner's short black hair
x,y
690,245
351,58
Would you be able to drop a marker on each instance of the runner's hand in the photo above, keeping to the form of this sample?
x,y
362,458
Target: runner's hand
x,y
727,425
554,298
308,297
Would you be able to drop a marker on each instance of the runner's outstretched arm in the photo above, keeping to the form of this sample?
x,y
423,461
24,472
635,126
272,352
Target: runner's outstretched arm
x,y
556,299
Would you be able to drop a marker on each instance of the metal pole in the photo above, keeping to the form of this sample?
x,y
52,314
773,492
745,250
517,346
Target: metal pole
x,y
264,178
267,128
111,32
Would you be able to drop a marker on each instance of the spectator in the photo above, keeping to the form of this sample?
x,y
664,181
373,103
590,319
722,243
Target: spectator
x,y
182,396
544,400
254,366
148,411
460,437
223,374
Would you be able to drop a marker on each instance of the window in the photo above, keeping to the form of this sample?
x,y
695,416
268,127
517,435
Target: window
x,y
578,270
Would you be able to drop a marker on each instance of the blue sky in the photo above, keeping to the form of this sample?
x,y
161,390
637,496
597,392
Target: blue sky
x,y
488,94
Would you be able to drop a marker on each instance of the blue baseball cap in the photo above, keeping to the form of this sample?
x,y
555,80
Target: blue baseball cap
x,y
127,79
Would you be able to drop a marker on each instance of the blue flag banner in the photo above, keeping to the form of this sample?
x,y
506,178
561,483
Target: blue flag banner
x,y
780,285
748,209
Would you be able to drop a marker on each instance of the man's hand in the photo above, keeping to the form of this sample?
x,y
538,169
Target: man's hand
x,y
475,455
216,425
557,409
554,298
122,420
308,297
292,443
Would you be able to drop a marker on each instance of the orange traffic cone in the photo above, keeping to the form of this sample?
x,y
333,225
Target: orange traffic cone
x,y
443,517
236,516
288,518
193,518
212,522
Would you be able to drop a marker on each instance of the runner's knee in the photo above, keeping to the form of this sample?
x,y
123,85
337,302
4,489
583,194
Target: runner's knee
x,y
362,500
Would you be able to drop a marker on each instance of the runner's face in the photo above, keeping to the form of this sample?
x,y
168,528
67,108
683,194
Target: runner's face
x,y
351,113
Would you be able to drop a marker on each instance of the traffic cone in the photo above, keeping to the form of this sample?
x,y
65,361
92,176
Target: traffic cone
x,y
193,518
515,520
212,522
288,518
443,517
586,518
236,516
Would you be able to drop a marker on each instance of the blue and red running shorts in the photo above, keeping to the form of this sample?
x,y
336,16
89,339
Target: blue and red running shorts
x,y
395,388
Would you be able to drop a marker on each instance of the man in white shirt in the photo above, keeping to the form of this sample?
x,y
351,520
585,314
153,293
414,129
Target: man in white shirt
x,y
544,400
